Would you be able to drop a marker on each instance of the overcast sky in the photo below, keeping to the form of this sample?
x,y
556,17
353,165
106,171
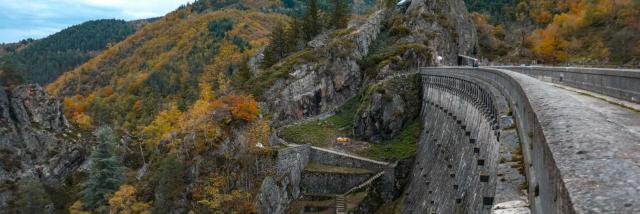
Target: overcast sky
x,y
21,19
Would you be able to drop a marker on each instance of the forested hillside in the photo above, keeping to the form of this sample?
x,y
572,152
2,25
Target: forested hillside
x,y
164,64
42,61
178,115
600,32
180,92
170,90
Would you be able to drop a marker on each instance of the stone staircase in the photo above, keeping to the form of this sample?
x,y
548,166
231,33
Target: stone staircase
x,y
311,203
316,200
364,184
341,206
332,181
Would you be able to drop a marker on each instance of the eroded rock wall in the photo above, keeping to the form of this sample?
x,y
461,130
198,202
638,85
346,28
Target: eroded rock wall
x,y
387,107
36,141
279,190
446,25
320,86
331,74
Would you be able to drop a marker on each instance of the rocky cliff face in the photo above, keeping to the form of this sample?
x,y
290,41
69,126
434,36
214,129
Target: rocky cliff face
x,y
388,106
329,79
337,65
277,191
445,24
36,141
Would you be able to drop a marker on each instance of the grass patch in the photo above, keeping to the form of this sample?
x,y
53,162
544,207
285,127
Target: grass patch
x,y
400,147
345,114
379,58
322,133
316,167
354,199
394,206
316,133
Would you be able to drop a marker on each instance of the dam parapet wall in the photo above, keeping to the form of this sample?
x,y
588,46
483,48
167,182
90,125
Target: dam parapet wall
x,y
619,83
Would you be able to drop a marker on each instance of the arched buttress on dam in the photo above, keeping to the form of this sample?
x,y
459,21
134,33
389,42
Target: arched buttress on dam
x,y
577,159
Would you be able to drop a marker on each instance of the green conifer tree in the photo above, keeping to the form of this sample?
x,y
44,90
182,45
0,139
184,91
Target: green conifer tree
x,y
31,197
243,75
277,48
312,25
170,183
341,14
9,76
106,170
294,36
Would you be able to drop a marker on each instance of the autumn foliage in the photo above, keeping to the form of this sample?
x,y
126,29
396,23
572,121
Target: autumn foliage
x,y
218,195
124,201
599,32
242,107
162,65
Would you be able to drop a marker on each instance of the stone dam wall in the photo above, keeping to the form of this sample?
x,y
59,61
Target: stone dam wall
x,y
619,83
556,132
455,169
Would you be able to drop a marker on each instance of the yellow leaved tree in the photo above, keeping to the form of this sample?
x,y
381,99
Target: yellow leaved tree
x,y
124,202
164,124
218,196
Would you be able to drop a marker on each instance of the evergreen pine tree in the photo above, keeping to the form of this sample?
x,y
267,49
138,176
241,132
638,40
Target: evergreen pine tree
x,y
312,24
279,42
170,184
277,48
106,171
243,75
31,197
9,76
294,36
341,14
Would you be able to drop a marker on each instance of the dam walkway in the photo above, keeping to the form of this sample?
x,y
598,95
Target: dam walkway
x,y
579,131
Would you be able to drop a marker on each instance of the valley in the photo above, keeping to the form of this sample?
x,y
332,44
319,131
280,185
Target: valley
x,y
328,106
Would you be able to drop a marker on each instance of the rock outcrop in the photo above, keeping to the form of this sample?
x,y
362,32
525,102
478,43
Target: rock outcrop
x,y
388,106
328,80
336,66
36,141
445,24
277,191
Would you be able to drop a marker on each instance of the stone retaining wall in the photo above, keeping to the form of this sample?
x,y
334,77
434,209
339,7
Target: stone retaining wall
x,y
331,183
290,179
619,83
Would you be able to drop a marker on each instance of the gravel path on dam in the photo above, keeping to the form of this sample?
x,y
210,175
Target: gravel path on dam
x,y
627,118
